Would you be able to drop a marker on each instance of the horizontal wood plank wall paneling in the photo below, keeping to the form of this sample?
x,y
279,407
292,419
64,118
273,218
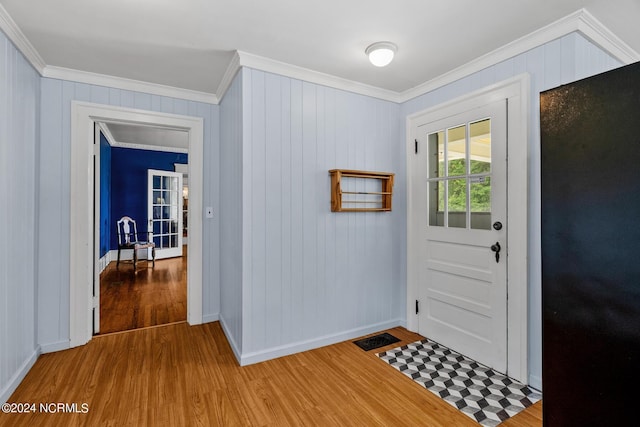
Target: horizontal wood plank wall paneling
x,y
338,385
310,275
564,60
231,182
54,201
19,106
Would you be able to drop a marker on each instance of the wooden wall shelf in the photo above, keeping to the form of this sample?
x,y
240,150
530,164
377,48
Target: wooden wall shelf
x,y
360,191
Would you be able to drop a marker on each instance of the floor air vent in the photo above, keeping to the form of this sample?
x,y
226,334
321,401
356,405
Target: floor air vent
x,y
376,341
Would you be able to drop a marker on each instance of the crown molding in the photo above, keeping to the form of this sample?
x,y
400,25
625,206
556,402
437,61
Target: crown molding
x,y
580,21
127,84
146,147
250,60
20,41
107,133
136,146
600,35
229,75
17,37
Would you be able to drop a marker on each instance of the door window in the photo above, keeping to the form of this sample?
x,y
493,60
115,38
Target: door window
x,y
460,174
165,211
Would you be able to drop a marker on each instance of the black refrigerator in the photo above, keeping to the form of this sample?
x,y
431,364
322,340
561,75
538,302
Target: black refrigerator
x,y
590,150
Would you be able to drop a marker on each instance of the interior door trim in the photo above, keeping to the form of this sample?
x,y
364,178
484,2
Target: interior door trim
x,y
83,117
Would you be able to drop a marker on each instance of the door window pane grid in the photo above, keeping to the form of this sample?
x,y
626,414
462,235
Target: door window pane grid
x,y
459,171
165,211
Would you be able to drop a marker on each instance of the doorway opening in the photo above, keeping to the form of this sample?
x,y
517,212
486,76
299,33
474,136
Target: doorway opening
x,y
84,241
136,176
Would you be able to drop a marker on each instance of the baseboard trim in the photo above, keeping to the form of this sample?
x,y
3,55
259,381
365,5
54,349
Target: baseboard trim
x,y
17,378
535,382
208,318
55,346
285,350
232,342
104,261
127,255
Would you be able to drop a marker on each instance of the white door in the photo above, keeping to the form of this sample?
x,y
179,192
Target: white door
x,y
459,186
165,212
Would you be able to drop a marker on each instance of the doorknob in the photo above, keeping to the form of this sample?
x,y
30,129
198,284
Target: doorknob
x,y
496,248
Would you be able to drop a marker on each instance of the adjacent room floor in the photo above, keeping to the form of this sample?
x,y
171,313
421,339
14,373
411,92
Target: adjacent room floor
x,y
150,296
182,375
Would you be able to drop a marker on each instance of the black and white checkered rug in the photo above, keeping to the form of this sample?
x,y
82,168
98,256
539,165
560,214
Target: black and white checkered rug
x,y
481,393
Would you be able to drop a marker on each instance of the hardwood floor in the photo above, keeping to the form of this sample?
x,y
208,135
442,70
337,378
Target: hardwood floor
x,y
147,297
181,375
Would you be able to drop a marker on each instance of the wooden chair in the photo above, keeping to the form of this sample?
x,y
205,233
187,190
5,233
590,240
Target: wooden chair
x,y
128,239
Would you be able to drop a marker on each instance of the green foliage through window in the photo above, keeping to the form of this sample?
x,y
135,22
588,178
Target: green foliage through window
x,y
480,191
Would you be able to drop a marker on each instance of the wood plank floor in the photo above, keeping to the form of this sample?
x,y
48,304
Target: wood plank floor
x,y
146,297
181,375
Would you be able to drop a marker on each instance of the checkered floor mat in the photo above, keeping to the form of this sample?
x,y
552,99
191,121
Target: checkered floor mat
x,y
486,396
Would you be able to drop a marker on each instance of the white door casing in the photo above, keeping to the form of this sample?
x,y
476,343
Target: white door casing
x,y
514,93
96,226
82,238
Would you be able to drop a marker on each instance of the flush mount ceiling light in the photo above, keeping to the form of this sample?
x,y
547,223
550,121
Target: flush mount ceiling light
x,y
381,53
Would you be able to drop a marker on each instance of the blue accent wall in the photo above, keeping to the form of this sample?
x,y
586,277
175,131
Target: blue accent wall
x,y
105,195
129,184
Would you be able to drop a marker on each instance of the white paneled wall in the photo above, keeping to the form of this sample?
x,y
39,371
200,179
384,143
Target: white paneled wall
x,y
54,182
312,276
561,61
211,226
19,100
231,214
283,271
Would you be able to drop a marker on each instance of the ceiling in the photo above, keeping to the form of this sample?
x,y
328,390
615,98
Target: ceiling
x,y
147,137
189,44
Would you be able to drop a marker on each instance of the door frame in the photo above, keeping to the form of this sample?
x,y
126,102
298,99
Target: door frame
x,y
97,180
82,236
516,91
